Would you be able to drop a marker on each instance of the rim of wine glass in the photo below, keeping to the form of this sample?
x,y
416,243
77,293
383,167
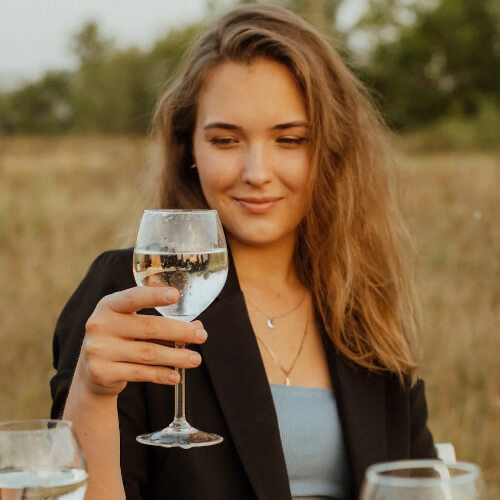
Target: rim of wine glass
x,y
30,425
179,210
471,473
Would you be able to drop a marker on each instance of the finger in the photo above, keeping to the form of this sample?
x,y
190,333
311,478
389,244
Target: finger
x,y
149,353
132,372
140,297
145,373
157,328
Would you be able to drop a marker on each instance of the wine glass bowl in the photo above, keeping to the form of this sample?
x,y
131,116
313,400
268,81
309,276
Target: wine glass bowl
x,y
423,480
41,459
184,249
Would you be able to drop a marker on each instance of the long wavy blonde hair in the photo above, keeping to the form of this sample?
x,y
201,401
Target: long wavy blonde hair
x,y
349,246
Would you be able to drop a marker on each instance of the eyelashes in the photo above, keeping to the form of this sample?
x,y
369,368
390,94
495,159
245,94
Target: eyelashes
x,y
292,140
230,141
223,141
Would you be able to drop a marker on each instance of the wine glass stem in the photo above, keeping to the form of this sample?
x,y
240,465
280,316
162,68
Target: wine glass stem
x,y
180,397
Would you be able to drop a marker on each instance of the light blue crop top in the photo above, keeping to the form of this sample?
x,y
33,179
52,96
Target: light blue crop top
x,y
312,442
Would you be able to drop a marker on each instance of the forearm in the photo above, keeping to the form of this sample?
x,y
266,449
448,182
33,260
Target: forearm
x,y
95,420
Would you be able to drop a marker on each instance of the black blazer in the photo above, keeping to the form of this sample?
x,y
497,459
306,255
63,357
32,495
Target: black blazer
x,y
229,394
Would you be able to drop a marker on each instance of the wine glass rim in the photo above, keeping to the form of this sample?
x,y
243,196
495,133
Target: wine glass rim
x,y
179,210
373,473
29,425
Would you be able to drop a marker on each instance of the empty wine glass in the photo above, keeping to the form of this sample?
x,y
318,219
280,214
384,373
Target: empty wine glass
x,y
40,459
423,480
185,249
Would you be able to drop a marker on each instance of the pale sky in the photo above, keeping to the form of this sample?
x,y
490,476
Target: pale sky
x,y
35,34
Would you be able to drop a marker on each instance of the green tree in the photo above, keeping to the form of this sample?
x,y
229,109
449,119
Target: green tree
x,y
433,61
39,107
90,46
117,91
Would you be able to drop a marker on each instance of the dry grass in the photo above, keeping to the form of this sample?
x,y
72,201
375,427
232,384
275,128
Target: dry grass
x,y
64,200
453,205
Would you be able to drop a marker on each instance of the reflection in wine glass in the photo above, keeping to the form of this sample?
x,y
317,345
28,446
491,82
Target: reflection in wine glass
x,y
40,459
423,480
185,249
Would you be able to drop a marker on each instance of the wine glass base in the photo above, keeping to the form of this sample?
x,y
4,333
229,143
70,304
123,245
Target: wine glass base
x,y
180,439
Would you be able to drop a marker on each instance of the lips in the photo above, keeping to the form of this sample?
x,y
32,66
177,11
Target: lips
x,y
258,204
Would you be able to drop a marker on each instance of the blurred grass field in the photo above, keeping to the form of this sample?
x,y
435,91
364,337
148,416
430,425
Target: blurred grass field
x,y
64,200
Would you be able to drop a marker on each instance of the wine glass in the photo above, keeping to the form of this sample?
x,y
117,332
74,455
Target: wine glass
x,y
423,480
185,249
41,459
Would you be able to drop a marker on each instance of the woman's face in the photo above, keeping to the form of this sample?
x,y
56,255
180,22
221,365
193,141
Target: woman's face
x,y
251,147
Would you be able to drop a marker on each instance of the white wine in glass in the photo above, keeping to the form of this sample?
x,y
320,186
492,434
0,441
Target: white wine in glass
x,y
423,480
40,459
185,249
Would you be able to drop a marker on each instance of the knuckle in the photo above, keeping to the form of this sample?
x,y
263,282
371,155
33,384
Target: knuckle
x,y
135,373
149,325
90,348
93,324
103,303
147,354
128,299
160,375
173,329
95,372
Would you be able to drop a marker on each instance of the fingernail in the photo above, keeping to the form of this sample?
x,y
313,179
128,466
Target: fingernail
x,y
170,294
201,334
173,378
195,358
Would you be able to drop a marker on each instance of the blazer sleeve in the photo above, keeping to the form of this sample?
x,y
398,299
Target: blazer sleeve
x,y
422,443
101,279
110,272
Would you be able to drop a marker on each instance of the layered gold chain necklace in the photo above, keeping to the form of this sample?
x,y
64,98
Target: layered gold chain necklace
x,y
275,358
271,319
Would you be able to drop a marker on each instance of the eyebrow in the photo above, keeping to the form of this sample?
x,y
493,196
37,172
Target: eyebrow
x,y
280,126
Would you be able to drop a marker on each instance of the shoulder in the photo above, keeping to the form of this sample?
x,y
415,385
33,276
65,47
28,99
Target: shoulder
x,y
118,257
113,267
110,272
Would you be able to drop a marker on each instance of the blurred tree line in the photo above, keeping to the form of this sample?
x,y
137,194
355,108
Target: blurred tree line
x,y
425,60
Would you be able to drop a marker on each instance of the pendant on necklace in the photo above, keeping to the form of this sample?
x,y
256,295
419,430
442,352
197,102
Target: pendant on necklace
x,y
287,381
270,323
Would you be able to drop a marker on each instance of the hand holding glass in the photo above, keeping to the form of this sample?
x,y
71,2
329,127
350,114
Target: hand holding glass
x,y
185,249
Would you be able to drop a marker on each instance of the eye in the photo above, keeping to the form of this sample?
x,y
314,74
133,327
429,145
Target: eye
x,y
291,140
223,141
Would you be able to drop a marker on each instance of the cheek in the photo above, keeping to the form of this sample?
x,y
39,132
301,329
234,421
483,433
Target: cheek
x,y
295,173
215,179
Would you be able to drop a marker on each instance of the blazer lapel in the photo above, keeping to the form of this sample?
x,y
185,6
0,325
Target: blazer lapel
x,y
361,403
232,358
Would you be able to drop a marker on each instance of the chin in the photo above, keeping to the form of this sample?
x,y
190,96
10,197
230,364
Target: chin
x,y
257,238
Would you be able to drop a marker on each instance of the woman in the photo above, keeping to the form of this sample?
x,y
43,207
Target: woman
x,y
309,367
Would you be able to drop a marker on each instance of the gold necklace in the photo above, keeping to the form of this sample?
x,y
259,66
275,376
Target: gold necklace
x,y
278,362
270,319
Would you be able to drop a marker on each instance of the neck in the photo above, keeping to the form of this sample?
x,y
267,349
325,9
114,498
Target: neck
x,y
271,267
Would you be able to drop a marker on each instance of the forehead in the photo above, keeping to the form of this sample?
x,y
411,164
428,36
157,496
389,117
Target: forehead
x,y
240,92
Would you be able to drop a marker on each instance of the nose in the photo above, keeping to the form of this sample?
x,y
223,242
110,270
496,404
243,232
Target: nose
x,y
257,169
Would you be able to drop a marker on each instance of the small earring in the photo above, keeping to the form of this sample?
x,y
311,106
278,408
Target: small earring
x,y
193,165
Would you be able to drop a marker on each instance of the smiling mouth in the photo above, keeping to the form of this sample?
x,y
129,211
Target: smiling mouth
x,y
258,205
